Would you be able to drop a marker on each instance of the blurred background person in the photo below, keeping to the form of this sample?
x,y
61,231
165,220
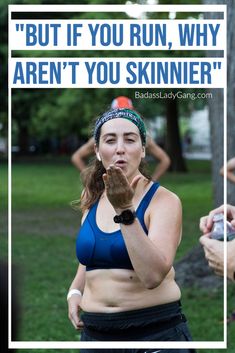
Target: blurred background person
x,y
79,157
230,166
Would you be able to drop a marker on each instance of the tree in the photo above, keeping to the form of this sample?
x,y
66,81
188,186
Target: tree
x,y
195,259
216,114
231,93
172,111
3,61
173,141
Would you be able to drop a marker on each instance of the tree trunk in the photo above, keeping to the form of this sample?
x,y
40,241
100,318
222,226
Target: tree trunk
x,y
173,141
216,114
193,269
231,94
23,139
216,117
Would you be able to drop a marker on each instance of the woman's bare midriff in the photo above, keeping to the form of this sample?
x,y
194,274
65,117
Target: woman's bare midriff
x,y
116,290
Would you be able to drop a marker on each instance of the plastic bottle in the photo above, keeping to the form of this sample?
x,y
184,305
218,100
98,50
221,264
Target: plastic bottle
x,y
217,231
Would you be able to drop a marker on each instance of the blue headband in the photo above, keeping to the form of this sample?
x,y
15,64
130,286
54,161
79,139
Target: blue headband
x,y
120,113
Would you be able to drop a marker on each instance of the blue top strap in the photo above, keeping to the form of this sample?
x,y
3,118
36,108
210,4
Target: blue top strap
x,y
145,203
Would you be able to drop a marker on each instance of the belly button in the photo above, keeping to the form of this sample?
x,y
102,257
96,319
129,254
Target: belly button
x,y
131,277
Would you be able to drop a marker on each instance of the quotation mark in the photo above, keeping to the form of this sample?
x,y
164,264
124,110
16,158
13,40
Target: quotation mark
x,y
19,27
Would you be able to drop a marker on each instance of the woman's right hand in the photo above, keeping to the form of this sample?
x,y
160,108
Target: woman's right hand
x,y
74,310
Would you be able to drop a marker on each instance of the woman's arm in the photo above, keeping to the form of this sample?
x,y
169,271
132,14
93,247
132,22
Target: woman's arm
x,y
230,170
79,156
152,256
75,299
162,158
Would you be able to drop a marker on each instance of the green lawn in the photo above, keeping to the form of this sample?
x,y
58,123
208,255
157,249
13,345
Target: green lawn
x,y
44,232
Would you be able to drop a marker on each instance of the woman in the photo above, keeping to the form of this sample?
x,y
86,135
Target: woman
x,y
131,228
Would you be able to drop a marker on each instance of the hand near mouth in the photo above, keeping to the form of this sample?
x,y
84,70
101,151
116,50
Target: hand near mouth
x,y
118,189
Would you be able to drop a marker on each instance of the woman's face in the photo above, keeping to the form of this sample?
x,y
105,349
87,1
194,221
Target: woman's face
x,y
120,144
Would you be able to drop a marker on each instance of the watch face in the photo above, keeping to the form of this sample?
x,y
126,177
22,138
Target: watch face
x,y
127,217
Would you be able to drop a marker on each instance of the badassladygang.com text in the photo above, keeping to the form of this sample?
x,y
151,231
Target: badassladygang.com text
x,y
173,95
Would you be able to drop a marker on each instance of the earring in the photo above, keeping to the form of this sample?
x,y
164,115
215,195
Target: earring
x,y
98,156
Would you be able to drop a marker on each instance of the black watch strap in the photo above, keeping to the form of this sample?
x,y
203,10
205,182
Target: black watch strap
x,y
126,217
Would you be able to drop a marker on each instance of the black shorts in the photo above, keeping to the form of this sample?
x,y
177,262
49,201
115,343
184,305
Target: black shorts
x,y
159,323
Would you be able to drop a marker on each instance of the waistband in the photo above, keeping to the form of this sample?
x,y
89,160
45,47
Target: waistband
x,y
126,318
134,323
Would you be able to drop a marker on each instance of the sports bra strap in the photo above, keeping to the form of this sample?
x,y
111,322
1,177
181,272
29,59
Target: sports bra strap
x,y
145,203
92,211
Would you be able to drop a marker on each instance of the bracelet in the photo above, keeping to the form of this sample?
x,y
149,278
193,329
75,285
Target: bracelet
x,y
72,292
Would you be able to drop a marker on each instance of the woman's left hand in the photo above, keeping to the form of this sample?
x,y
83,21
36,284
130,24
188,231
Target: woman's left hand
x,y
119,192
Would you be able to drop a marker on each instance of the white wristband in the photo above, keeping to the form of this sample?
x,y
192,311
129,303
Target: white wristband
x,y
72,292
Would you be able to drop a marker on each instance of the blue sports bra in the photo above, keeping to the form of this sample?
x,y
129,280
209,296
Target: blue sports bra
x,y
99,250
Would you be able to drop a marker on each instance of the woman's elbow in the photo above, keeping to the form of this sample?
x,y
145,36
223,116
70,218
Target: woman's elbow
x,y
168,161
156,278
152,284
221,171
154,281
73,158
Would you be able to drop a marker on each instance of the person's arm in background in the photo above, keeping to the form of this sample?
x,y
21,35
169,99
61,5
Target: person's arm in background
x,y
230,170
160,155
82,153
214,249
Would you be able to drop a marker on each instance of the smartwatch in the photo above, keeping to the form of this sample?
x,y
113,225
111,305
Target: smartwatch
x,y
126,217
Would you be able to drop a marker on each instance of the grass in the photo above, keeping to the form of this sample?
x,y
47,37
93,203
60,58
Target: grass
x,y
44,186
44,255
45,266
195,192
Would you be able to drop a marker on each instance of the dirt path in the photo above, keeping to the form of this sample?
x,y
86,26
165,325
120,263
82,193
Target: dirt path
x,y
42,222
193,270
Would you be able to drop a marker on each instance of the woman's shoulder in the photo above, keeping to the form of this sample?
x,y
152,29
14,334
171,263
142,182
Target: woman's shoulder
x,y
86,211
165,197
